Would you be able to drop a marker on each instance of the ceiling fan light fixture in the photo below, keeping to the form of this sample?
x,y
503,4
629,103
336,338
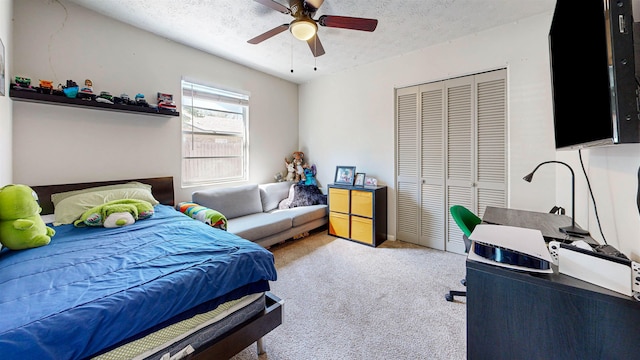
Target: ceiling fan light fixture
x,y
303,29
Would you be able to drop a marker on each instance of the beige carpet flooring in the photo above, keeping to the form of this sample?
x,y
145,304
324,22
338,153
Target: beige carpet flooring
x,y
345,300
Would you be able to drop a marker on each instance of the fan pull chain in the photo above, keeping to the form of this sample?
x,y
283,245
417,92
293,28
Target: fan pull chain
x,y
315,51
291,42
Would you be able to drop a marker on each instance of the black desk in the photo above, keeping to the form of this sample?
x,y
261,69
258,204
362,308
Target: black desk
x,y
517,315
520,315
547,223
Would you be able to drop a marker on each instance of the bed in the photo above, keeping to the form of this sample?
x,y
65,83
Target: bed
x,y
166,287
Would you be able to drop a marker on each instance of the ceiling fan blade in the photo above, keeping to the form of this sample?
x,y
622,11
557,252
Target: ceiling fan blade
x,y
312,5
316,46
275,6
346,22
273,32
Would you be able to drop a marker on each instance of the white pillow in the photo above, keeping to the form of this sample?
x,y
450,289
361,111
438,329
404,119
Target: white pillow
x,y
57,197
71,208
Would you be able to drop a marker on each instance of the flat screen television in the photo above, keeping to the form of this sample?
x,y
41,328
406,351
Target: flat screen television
x,y
594,74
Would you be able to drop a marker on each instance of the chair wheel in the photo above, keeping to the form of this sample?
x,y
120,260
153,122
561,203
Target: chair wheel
x,y
463,282
448,297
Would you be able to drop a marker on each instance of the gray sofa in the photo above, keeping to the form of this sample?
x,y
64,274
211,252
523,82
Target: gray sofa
x,y
252,212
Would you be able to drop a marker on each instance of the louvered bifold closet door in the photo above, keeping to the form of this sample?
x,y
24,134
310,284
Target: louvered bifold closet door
x,y
491,115
433,212
407,169
450,150
476,147
460,153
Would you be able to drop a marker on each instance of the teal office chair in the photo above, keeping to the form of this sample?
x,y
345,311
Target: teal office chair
x,y
466,221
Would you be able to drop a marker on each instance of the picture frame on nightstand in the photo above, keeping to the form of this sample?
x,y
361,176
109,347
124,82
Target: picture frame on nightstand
x,y
370,181
359,180
344,175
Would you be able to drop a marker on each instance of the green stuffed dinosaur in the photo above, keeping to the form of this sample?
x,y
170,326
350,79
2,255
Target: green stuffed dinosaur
x,y
21,226
116,213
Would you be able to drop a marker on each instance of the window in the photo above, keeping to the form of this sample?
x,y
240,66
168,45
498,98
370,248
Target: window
x,y
214,135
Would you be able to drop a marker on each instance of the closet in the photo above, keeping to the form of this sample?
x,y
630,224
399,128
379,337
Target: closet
x,y
450,149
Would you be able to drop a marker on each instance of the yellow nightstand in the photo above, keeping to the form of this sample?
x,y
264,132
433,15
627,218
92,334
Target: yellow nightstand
x,y
358,213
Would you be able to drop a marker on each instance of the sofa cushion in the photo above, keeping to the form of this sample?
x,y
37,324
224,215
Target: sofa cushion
x,y
271,194
304,214
257,226
232,202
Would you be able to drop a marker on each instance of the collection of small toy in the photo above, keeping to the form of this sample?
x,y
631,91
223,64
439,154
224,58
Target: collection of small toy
x,y
298,171
72,90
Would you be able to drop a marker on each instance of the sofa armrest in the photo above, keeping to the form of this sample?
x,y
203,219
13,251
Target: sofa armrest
x,y
272,193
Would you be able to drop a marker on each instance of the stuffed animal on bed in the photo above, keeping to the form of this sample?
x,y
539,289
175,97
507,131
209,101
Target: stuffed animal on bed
x,y
21,226
208,216
116,213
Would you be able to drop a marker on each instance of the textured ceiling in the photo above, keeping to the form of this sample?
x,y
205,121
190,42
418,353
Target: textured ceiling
x,y
222,28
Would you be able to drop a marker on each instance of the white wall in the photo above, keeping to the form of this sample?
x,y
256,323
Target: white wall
x,y
348,119
6,175
59,144
613,175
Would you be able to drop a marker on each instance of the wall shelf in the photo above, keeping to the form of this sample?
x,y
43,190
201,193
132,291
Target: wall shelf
x,y
32,96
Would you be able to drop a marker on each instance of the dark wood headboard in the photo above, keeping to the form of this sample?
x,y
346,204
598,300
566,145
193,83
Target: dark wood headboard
x,y
161,188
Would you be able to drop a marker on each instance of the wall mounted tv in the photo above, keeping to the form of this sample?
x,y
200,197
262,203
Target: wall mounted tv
x,y
594,74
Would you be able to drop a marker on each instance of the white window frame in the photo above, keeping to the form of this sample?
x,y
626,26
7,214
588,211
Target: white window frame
x,y
200,165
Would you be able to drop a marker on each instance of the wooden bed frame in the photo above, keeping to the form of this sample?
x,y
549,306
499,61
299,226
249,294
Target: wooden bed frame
x,y
236,339
161,188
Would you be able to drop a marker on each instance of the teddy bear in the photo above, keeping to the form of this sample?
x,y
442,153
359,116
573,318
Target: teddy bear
x,y
299,166
21,226
116,213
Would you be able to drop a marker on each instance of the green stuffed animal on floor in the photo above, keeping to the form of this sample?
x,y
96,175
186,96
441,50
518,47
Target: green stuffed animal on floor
x,y
116,213
21,226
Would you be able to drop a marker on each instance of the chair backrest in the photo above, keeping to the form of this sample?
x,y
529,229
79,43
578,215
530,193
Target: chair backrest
x,y
465,219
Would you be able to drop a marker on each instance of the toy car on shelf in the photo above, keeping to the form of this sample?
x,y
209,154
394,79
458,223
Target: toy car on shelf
x,y
23,84
105,97
141,101
126,100
165,101
46,87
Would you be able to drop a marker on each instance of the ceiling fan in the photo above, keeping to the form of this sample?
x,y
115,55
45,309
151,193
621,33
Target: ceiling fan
x,y
305,28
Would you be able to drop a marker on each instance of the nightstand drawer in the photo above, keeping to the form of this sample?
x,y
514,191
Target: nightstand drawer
x,y
362,229
362,203
339,224
339,200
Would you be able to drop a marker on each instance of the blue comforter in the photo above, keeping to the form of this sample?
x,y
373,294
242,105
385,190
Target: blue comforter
x,y
91,288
